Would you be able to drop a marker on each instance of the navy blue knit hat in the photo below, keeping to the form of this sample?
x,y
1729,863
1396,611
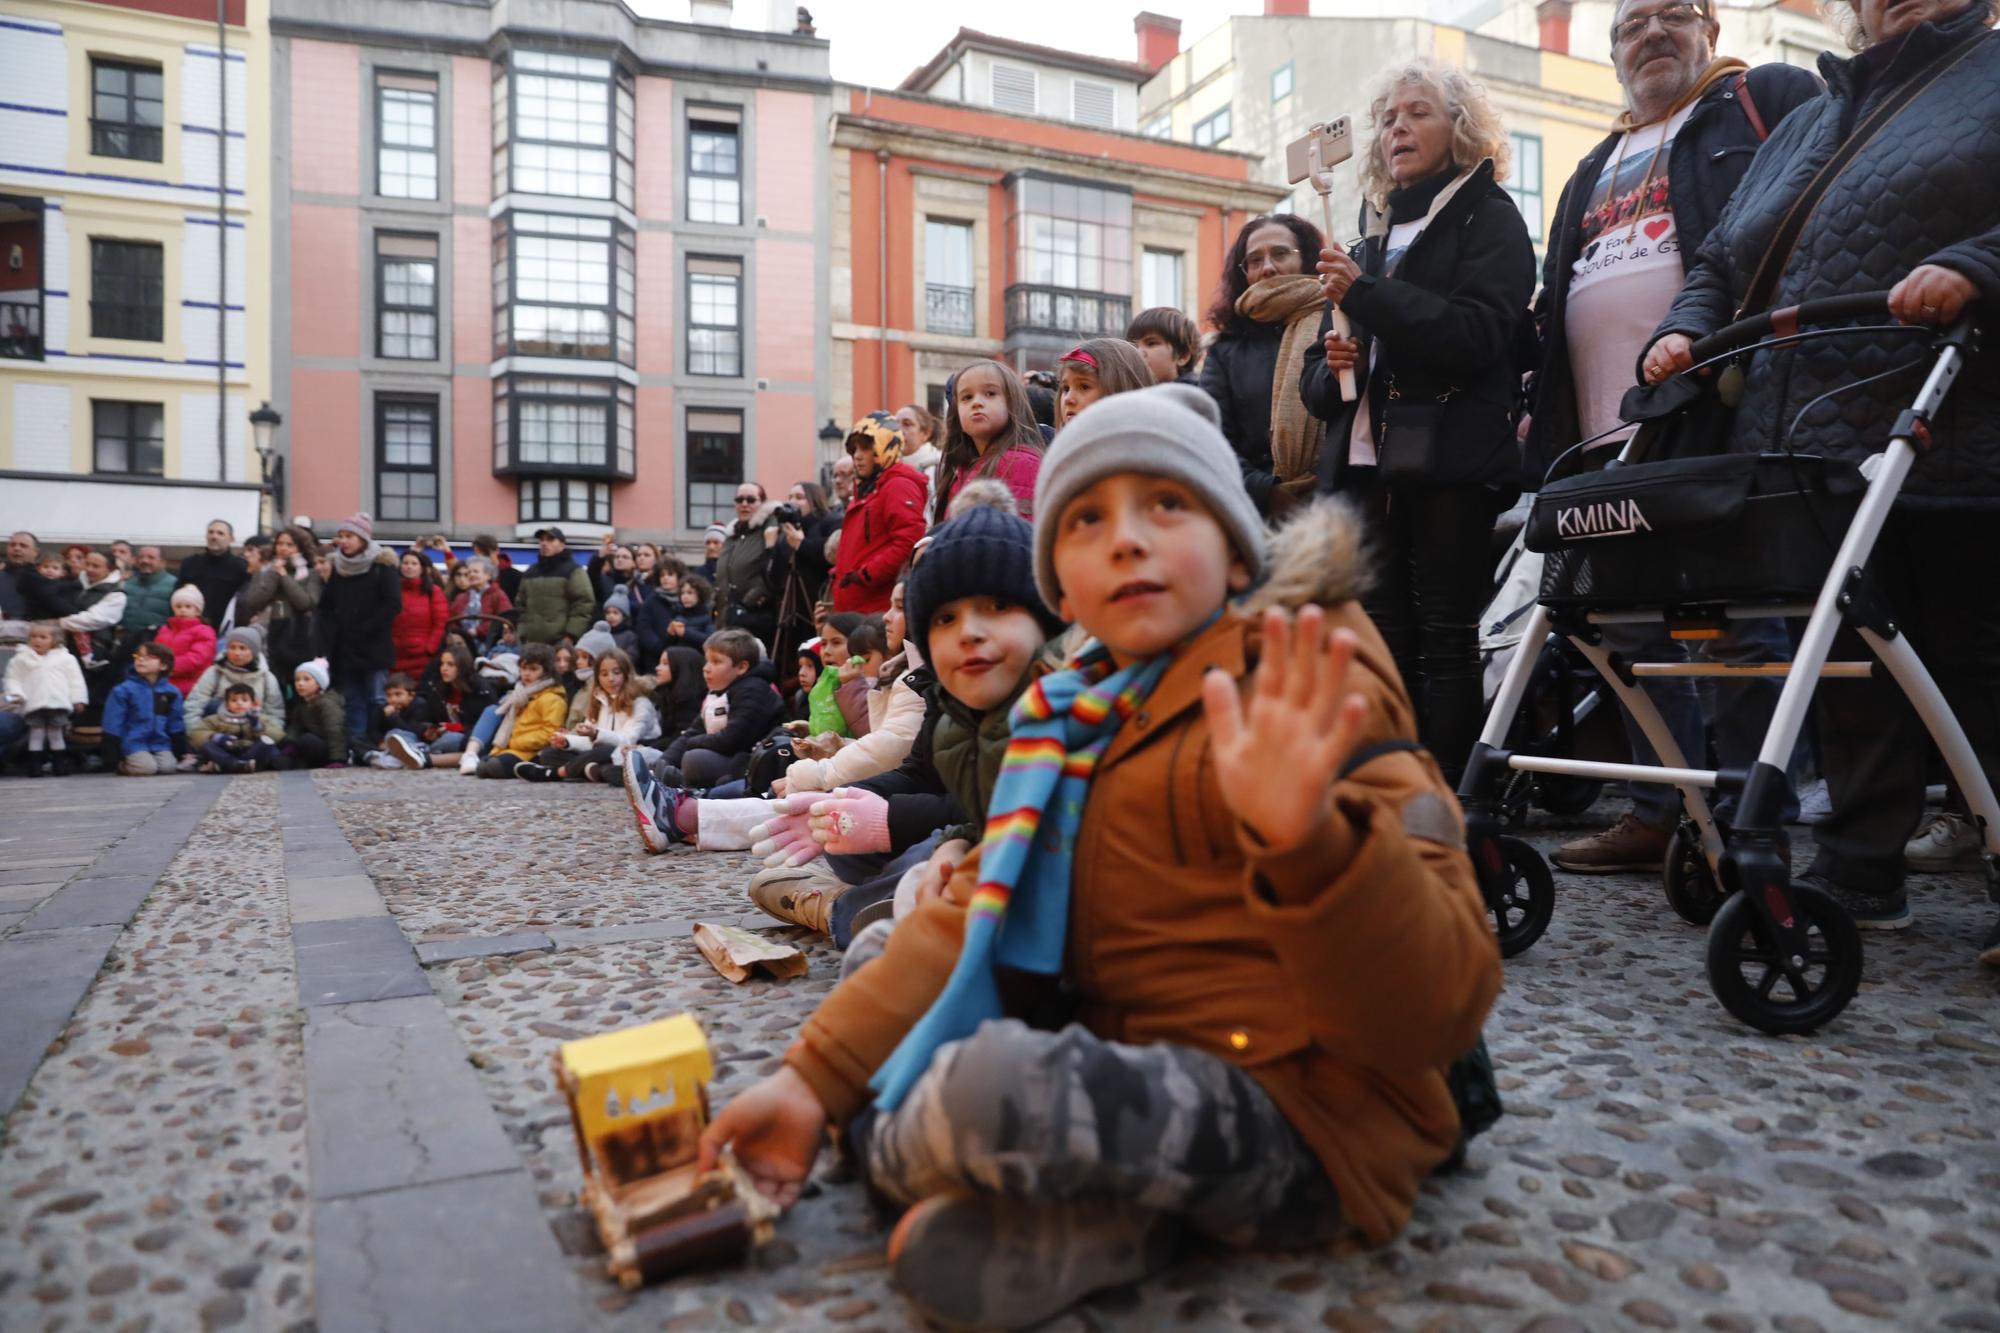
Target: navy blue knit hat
x,y
981,552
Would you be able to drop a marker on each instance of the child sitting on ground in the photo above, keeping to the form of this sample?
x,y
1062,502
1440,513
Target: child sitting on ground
x,y
618,619
45,681
741,709
620,716
142,716
529,716
399,711
693,623
230,739
798,700
823,715
316,728
1270,930
241,663
867,650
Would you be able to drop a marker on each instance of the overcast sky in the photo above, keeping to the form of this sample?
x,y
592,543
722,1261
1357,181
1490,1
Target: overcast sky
x,y
878,42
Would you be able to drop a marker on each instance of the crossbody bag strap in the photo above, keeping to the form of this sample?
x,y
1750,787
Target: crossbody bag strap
x,y
1749,105
1368,754
1764,283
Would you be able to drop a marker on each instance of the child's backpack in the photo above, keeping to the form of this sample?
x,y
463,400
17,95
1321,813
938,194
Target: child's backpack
x,y
768,761
1474,1092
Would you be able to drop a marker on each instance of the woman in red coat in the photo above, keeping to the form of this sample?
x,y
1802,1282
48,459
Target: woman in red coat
x,y
418,631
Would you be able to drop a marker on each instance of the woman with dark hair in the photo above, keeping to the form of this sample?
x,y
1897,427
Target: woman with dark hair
x,y
281,598
801,552
418,630
1439,300
1264,313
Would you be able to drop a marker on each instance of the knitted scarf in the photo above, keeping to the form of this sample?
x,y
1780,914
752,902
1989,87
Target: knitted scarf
x,y
1295,301
358,563
1059,729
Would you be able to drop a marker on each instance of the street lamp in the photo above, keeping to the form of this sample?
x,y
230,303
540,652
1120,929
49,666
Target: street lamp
x,y
265,422
830,436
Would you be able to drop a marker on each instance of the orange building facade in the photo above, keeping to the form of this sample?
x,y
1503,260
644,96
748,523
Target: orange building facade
x,y
960,232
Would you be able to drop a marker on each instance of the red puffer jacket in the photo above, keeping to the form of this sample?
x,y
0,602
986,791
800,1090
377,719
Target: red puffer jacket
x,y
882,526
193,645
418,631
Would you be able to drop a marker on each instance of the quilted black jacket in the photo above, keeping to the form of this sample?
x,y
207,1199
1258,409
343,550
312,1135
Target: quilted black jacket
x,y
1926,191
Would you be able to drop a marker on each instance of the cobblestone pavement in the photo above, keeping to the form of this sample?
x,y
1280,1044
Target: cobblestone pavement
x,y
1660,1167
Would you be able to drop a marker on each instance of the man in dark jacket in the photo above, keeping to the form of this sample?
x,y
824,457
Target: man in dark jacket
x,y
357,612
1626,228
216,571
1913,212
24,593
149,591
555,596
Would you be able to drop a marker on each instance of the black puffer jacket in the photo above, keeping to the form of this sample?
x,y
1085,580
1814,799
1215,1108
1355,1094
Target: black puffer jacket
x,y
356,612
1709,156
1453,321
1237,375
1926,191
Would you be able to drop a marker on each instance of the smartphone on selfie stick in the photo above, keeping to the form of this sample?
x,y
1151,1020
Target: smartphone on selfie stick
x,y
1313,158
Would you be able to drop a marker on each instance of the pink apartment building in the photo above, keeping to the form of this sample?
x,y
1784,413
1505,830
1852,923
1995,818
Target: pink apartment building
x,y
545,262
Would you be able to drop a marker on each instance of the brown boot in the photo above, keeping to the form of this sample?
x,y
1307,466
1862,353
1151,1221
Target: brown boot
x,y
798,895
1630,844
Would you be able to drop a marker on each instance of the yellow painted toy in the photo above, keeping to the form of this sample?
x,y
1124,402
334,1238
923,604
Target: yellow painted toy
x,y
638,1099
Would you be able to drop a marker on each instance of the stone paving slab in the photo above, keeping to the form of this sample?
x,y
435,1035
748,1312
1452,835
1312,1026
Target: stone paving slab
x,y
356,960
43,973
469,1255
481,946
109,901
335,899
394,1102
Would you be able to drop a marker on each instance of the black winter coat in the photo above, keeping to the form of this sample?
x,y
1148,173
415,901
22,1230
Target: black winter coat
x,y
1237,375
1926,191
680,703
219,577
1709,156
1453,321
356,614
755,710
919,804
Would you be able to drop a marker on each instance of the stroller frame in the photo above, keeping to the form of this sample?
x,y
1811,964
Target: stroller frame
x,y
1759,917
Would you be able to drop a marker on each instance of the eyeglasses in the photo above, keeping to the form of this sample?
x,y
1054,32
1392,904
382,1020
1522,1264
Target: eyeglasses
x,y
1672,19
749,498
1272,258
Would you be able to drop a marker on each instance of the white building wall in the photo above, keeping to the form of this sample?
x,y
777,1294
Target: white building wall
x,y
42,428
199,118
1054,88
198,460
34,73
58,277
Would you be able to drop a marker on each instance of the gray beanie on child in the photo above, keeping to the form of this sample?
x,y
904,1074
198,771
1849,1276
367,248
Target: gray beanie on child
x,y
598,641
249,634
1168,430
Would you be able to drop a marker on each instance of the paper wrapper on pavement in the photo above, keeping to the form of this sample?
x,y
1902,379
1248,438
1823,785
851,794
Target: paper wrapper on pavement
x,y
736,953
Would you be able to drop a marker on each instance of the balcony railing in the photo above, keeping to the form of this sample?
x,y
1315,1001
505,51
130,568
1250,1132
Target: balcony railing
x,y
1067,313
21,330
948,309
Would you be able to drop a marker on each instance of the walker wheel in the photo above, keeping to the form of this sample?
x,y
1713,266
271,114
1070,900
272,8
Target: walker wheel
x,y
1521,895
1778,995
1692,890
1566,796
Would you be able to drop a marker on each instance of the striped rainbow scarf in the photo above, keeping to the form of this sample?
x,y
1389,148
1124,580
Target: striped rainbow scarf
x,y
1019,914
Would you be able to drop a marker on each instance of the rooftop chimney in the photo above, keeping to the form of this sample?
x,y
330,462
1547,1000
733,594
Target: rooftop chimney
x,y
1287,9
1553,18
1159,38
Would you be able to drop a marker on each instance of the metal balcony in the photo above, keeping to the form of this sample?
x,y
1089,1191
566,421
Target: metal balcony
x,y
21,330
948,310
1064,313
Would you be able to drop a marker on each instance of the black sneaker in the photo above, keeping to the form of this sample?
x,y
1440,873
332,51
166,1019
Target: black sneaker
x,y
534,772
593,771
1871,911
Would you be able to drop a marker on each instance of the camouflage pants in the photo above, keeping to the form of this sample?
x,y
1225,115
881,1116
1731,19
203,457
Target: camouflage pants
x,y
1057,1116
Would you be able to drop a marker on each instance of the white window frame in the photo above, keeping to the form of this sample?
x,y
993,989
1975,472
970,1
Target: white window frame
x,y
1290,75
1208,123
1148,298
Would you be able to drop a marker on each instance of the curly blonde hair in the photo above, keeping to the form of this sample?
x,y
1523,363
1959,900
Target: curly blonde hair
x,y
1476,131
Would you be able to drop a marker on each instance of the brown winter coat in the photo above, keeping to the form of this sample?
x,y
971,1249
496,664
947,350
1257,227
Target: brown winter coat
x,y
1344,975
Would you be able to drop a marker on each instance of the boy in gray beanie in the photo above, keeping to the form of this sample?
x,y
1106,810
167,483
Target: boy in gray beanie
x,y
1220,835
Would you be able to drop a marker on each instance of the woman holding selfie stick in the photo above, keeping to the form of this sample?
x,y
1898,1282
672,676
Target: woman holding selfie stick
x,y
1439,301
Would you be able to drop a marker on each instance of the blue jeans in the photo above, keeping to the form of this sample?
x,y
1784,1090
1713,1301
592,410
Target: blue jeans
x,y
13,730
859,869
486,728
1741,707
360,690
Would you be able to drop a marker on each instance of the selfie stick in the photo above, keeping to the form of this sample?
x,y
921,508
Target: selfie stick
x,y
1322,180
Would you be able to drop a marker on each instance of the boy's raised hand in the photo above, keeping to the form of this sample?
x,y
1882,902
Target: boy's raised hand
x,y
1278,749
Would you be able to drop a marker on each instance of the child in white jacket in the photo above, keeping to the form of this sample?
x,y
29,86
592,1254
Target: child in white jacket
x,y
45,682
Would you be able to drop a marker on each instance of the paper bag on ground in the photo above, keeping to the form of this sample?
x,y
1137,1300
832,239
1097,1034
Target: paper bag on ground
x,y
736,953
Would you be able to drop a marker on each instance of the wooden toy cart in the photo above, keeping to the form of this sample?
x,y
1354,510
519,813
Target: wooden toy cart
x,y
638,1099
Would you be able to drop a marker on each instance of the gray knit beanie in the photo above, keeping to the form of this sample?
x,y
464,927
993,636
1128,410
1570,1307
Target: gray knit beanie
x,y
1168,430
597,641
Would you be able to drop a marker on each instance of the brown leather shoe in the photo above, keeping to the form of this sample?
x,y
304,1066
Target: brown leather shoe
x,y
1630,844
802,897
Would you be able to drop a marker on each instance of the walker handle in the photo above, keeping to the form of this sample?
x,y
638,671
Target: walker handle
x,y
1830,310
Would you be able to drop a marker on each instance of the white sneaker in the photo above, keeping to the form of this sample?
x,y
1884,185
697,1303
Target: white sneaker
x,y
1946,842
408,753
468,763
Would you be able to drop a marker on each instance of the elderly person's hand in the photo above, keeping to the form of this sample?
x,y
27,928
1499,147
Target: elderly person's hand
x,y
1669,356
1932,294
1336,273
1342,353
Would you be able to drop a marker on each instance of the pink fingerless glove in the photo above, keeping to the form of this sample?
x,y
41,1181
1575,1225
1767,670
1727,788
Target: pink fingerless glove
x,y
849,821
785,839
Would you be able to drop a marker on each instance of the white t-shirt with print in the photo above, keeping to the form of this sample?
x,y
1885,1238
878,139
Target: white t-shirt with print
x,y
1627,272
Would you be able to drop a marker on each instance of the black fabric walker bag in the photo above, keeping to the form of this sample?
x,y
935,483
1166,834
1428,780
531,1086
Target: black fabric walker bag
x,y
1730,528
